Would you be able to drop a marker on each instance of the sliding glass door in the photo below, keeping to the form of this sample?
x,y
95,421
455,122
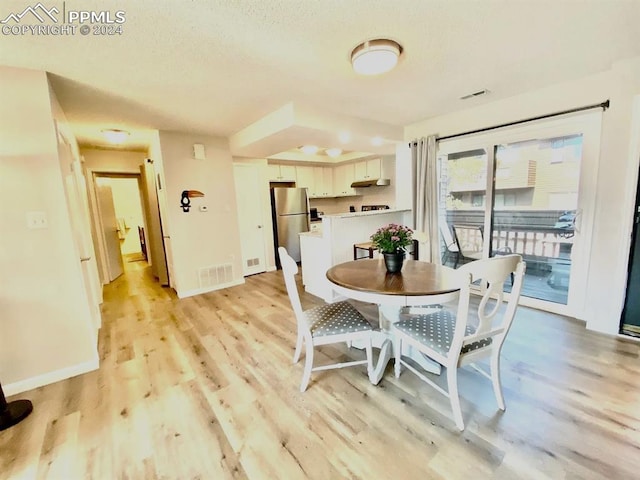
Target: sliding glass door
x,y
527,190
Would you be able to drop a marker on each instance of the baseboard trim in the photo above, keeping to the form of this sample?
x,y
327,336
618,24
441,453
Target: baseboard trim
x,y
50,377
271,269
200,291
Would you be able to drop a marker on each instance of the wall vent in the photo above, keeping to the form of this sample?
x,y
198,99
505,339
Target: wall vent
x,y
474,94
252,262
215,275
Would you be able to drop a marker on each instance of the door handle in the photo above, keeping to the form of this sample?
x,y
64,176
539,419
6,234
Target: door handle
x,y
577,225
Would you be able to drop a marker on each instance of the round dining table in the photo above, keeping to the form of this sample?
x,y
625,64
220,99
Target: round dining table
x,y
419,284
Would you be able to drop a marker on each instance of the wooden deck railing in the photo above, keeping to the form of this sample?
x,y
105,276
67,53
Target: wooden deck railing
x,y
534,241
546,242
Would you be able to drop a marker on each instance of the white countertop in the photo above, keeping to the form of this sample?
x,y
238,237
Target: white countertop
x,y
311,234
365,214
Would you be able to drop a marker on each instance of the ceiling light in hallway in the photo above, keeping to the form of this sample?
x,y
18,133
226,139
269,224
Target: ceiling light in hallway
x,y
115,136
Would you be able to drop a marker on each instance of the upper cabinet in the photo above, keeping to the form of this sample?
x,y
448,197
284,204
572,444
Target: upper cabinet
x,y
305,179
343,176
323,182
281,173
315,180
367,169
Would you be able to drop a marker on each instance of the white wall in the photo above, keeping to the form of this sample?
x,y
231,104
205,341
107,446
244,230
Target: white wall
x,y
45,322
200,239
617,173
126,201
112,161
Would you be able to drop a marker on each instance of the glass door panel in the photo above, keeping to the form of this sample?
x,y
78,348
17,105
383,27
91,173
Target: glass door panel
x,y
462,196
534,210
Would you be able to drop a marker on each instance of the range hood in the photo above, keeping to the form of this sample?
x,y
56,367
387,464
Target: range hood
x,y
373,182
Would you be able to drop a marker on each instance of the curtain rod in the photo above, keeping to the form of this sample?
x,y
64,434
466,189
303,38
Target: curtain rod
x,y
604,105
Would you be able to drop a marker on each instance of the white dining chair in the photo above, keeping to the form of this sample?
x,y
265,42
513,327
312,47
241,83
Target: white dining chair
x,y
458,338
323,325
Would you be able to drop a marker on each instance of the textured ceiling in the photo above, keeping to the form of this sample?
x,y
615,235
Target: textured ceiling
x,y
216,66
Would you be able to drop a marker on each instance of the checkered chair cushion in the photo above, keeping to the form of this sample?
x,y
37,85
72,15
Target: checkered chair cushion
x,y
435,331
335,319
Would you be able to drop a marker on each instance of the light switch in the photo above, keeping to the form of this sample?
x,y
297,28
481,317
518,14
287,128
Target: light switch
x,y
198,151
37,220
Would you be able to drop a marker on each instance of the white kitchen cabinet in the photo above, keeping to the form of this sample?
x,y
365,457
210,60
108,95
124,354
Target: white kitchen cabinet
x,y
343,176
305,179
367,169
323,182
281,173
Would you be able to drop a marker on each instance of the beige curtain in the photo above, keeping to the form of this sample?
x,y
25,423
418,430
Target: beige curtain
x,y
425,198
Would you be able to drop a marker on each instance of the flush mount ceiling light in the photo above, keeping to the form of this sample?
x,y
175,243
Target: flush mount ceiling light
x,y
374,57
115,136
344,137
309,149
333,152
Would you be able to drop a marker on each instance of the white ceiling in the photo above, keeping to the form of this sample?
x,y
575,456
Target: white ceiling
x,y
218,66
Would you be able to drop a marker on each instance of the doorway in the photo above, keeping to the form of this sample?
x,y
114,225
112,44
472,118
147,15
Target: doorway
x,y
250,218
121,221
525,190
630,321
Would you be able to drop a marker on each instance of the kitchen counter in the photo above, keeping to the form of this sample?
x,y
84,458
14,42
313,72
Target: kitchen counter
x,y
334,244
366,214
311,234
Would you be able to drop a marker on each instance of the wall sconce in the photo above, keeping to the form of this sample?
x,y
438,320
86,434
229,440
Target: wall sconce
x,y
187,195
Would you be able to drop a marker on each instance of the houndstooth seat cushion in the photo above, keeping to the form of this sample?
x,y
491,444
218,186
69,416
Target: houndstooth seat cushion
x,y
435,331
335,319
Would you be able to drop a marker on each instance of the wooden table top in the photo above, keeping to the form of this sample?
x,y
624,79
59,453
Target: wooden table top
x,y
415,278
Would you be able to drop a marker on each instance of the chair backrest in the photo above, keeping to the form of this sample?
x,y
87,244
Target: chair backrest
x,y
468,238
449,242
492,320
290,269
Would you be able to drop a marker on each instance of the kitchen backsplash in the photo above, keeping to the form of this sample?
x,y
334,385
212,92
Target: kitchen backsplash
x,y
366,196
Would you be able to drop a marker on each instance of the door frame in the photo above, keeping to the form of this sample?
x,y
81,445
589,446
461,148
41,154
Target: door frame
x,y
265,244
96,218
589,125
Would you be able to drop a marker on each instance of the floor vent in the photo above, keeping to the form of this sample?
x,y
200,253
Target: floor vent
x,y
252,262
216,275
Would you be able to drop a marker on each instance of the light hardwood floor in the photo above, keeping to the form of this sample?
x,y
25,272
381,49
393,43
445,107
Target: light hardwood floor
x,y
205,387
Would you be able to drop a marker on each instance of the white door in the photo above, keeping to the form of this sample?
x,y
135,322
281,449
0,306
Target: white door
x,y
109,227
250,218
78,206
154,236
79,209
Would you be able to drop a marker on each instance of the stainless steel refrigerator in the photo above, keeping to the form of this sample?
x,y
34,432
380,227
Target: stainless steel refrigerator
x,y
290,208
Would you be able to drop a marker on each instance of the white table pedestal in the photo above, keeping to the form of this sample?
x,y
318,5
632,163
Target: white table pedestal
x,y
383,339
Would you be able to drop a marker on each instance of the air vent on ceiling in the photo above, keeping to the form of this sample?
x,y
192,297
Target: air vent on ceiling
x,y
475,94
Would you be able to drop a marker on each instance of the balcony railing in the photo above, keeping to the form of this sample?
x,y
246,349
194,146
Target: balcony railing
x,y
545,248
